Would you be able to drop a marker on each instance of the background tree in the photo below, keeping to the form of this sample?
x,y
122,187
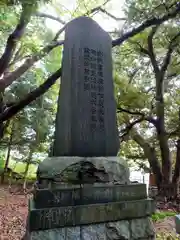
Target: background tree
x,y
147,82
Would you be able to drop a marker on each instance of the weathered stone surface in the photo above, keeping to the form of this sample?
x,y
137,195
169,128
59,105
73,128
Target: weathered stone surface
x,y
142,228
49,218
75,170
93,232
72,233
88,194
86,117
177,223
103,231
118,230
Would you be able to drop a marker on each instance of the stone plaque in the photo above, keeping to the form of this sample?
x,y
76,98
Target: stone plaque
x,y
88,195
86,116
49,218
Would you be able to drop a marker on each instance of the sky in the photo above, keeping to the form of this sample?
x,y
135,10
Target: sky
x,y
115,7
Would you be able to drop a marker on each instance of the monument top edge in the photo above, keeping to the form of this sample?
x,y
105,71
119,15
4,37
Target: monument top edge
x,y
86,20
82,18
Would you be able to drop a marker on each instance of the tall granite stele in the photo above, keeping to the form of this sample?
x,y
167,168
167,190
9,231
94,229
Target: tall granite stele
x,y
83,191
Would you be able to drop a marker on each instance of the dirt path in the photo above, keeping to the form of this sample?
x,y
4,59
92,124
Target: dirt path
x,y
14,209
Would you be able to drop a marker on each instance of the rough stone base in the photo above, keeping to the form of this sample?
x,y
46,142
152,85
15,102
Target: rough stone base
x,y
136,229
78,170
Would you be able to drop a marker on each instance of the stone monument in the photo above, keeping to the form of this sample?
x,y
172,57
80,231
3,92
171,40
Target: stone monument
x,y
86,120
83,191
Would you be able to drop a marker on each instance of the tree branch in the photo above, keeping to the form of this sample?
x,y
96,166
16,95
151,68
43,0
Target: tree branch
x,y
129,126
96,9
143,117
120,109
110,15
44,15
151,50
15,108
146,24
58,33
29,62
167,58
17,56
132,75
12,41
141,49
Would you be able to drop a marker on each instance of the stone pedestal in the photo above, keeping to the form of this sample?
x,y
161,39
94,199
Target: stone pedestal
x,y
107,210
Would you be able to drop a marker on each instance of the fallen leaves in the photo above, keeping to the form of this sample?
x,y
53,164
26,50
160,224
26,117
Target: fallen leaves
x,y
13,209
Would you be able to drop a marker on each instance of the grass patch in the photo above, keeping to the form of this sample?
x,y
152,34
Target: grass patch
x,y
162,215
19,167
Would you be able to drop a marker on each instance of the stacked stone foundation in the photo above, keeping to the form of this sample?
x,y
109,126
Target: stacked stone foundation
x,y
107,208
98,211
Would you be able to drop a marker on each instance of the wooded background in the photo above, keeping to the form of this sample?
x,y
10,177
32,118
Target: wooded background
x,y
146,61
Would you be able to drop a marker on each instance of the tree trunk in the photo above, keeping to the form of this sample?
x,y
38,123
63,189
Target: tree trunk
x,y
27,168
161,132
8,156
2,107
150,154
177,165
165,152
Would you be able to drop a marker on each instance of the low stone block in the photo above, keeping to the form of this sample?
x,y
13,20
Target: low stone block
x,y
72,233
177,223
142,228
118,230
49,218
88,194
93,232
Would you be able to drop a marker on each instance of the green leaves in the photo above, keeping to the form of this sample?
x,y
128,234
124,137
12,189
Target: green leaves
x,y
32,126
136,82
